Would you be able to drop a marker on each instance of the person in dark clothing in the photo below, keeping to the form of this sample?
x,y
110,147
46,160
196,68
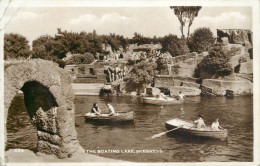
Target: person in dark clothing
x,y
95,109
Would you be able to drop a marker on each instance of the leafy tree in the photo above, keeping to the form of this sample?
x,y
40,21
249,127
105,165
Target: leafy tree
x,y
201,40
140,39
174,45
217,63
16,46
186,14
86,58
142,73
42,46
162,66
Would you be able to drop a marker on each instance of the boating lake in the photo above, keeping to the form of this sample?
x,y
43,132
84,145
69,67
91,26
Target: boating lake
x,y
131,142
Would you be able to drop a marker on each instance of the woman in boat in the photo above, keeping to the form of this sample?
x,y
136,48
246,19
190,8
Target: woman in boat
x,y
111,109
199,123
95,109
215,125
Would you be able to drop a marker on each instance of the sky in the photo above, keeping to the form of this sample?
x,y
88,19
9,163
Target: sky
x,y
148,21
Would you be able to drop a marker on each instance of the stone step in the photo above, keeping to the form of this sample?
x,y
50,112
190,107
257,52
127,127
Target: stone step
x,y
87,89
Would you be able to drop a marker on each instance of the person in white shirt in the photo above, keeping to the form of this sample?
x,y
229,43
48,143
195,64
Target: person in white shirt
x,y
199,123
215,125
111,109
181,96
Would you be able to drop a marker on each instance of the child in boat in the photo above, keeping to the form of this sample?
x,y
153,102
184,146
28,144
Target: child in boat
x,y
95,109
111,109
199,123
215,125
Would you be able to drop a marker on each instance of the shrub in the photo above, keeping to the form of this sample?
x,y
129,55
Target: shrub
x,y
174,45
217,63
142,73
16,46
201,40
86,58
162,66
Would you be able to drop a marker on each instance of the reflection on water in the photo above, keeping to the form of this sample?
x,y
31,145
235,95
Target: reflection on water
x,y
235,114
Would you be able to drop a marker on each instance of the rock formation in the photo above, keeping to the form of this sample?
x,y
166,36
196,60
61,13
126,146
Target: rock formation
x,y
49,98
235,36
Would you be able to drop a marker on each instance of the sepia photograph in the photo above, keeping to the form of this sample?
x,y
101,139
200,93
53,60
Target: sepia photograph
x,y
129,83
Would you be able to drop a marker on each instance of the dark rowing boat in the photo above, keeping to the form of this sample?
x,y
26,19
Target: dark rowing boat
x,y
187,129
118,117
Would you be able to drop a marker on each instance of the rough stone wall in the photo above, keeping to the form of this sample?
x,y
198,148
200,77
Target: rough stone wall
x,y
163,81
235,35
219,87
55,123
187,85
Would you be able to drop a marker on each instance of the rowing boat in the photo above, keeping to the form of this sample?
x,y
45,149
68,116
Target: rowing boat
x,y
161,101
188,129
118,117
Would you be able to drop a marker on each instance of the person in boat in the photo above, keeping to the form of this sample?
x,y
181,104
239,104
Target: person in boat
x,y
95,109
181,96
110,109
215,125
199,123
162,96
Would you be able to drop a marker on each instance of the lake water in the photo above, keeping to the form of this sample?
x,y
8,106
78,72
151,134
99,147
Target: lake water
x,y
235,114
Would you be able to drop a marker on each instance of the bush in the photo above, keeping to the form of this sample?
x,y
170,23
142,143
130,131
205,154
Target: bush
x,y
86,58
201,40
174,45
217,63
16,46
162,66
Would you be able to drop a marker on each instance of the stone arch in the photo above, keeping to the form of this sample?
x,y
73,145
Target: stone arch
x,y
49,100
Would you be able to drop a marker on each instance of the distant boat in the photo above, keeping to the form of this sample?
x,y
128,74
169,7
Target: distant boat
x,y
161,101
118,117
187,129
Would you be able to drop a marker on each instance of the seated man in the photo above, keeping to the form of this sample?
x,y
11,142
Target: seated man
x,y
199,123
111,109
181,96
95,109
215,125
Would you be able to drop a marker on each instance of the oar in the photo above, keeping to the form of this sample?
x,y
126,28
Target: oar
x,y
162,133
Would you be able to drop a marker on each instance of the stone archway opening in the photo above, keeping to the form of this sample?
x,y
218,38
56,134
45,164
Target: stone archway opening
x,y
21,133
49,101
41,107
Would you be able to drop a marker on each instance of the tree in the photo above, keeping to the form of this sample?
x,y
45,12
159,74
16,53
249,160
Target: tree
x,y
142,73
42,46
16,46
216,64
86,58
162,66
186,14
140,39
201,40
174,45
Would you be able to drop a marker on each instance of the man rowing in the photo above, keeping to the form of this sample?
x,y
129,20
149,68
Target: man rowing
x,y
215,125
110,109
199,123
